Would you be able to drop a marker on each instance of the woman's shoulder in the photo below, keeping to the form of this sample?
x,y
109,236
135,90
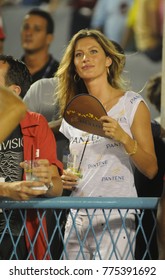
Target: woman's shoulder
x,y
131,93
131,103
133,97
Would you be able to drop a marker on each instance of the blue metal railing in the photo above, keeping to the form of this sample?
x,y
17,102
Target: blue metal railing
x,y
60,208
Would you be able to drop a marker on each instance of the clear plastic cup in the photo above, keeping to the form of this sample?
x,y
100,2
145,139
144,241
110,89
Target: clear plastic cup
x,y
30,176
73,165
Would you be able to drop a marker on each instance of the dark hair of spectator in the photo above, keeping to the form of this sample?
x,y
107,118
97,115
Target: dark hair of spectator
x,y
17,73
153,90
47,16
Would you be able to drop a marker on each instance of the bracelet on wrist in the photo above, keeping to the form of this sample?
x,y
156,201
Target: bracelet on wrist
x,y
134,149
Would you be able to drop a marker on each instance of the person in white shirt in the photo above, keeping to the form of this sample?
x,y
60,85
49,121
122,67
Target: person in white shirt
x,y
92,61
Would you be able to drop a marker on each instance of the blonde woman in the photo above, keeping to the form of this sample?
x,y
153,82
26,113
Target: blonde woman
x,y
91,62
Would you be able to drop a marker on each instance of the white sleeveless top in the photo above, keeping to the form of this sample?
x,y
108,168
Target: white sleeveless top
x,y
106,168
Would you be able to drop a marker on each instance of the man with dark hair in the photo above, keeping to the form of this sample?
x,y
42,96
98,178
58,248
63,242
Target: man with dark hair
x,y
36,37
17,73
33,133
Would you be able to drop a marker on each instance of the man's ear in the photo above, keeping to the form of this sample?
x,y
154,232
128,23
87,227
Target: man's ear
x,y
49,39
16,89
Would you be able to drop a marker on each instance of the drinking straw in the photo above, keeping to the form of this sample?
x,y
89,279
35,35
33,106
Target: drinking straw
x,y
82,155
31,160
74,161
32,152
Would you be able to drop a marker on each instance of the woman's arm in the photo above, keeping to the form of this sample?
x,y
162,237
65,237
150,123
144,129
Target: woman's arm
x,y
12,110
141,147
145,157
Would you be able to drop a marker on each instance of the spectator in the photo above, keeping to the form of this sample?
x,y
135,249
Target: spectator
x,y
143,21
37,35
40,98
145,186
153,91
110,17
81,15
150,188
32,131
93,60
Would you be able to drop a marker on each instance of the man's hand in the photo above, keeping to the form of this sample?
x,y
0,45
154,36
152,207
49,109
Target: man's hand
x,y
21,190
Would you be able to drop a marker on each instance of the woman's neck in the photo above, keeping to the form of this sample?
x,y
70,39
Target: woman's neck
x,y
106,94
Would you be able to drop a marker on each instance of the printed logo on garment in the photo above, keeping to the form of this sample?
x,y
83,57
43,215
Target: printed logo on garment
x,y
11,154
113,145
11,144
116,178
136,97
80,139
98,164
122,120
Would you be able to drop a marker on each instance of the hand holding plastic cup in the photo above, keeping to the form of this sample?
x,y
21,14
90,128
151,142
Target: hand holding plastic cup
x,y
29,166
73,165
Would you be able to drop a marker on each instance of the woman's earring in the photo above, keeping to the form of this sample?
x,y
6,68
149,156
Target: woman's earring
x,y
108,71
76,78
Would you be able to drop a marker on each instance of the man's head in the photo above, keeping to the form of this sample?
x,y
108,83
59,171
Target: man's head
x,y
37,31
14,74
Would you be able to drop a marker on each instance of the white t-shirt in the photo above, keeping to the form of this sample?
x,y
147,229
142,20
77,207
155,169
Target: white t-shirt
x,y
41,98
106,168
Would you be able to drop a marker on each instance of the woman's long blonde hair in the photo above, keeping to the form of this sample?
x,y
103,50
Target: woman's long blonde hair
x,y
68,87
